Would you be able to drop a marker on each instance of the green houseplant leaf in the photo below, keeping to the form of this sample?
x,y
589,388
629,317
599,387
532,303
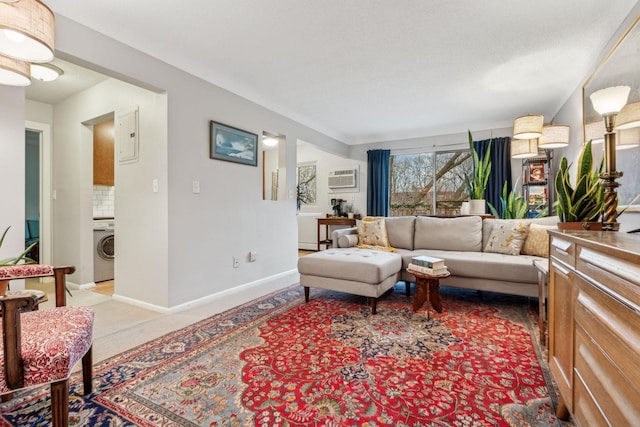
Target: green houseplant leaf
x,y
22,258
583,202
477,183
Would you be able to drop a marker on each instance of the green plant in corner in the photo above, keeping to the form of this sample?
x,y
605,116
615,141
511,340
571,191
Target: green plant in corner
x,y
585,201
514,206
22,258
477,184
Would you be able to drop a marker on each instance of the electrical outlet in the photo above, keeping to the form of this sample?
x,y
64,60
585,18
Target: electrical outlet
x,y
236,262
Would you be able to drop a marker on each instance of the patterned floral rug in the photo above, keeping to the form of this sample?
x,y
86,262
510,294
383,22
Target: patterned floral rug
x,y
280,362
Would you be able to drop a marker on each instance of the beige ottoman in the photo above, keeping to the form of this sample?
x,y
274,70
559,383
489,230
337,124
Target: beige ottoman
x,y
355,271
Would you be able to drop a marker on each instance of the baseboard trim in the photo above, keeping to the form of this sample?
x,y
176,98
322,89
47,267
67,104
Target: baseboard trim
x,y
226,299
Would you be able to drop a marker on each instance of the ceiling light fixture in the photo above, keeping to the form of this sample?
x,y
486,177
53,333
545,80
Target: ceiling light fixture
x,y
45,72
26,30
554,136
270,141
14,72
528,127
523,148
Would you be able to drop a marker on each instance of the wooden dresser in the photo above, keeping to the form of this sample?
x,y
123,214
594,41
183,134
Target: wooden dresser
x,y
594,326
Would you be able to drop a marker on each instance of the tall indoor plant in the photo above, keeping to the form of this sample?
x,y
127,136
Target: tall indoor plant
x,y
477,184
580,206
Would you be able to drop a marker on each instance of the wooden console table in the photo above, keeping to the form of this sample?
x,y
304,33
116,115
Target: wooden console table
x,y
594,326
332,220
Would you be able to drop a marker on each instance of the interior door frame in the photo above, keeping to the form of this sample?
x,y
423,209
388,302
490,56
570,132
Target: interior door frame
x,y
46,189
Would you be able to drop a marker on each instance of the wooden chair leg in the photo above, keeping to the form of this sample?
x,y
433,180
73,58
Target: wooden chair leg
x,y
306,294
60,403
87,371
407,288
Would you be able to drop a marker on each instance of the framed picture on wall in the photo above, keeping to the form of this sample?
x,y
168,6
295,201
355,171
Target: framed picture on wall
x,y
233,145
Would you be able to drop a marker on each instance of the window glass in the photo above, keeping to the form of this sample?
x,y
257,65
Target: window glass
x,y
412,177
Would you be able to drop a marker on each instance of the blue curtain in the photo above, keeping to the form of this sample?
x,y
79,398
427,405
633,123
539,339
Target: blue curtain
x,y
378,182
500,168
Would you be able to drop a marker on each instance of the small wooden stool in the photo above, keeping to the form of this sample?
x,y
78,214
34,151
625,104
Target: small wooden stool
x,y
427,289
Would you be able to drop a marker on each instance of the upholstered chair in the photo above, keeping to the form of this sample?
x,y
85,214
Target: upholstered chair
x,y
42,346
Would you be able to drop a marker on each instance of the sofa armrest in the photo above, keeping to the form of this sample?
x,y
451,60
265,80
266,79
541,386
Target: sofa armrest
x,y
347,239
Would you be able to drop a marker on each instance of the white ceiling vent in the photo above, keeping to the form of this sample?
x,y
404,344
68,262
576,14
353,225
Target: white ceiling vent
x,y
343,178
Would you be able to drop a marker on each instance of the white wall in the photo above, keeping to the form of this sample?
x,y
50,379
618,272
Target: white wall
x,y
12,167
203,231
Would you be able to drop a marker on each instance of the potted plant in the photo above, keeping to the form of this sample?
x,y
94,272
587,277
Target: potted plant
x,y
349,209
580,206
477,184
20,259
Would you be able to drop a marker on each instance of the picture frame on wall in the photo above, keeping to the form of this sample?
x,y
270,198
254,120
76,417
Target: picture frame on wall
x,y
536,172
232,144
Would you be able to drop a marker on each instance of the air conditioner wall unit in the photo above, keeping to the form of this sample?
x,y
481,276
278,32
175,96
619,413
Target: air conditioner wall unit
x,y
346,178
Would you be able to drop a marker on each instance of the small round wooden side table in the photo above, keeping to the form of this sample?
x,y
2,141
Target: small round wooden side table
x,y
427,289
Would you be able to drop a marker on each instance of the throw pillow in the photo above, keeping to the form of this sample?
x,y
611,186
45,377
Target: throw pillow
x,y
373,234
537,241
507,237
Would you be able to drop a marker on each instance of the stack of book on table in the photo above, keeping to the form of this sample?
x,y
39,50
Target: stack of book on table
x,y
424,264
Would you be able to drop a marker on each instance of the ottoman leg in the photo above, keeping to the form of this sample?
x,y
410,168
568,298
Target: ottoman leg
x,y
306,294
407,287
374,305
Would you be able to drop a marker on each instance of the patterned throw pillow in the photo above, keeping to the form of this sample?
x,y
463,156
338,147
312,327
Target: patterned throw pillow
x,y
372,234
537,241
507,237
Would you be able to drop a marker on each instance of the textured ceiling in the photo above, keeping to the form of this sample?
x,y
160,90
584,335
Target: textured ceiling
x,y
374,70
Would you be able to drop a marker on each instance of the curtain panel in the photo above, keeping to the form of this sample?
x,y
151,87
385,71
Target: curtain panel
x,y
378,182
500,158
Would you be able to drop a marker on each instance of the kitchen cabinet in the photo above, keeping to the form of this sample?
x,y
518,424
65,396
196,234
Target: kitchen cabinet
x,y
103,153
594,326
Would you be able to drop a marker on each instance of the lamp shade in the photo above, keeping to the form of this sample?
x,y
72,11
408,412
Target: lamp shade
x,y
522,148
628,138
554,136
594,132
26,30
14,72
610,100
629,116
528,127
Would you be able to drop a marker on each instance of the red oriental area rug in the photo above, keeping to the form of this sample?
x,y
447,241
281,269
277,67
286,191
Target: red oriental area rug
x,y
280,362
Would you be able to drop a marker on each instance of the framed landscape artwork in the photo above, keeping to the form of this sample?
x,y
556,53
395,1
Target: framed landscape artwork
x,y
233,145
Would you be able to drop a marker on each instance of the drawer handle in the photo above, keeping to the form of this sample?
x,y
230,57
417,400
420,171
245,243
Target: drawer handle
x,y
561,245
561,269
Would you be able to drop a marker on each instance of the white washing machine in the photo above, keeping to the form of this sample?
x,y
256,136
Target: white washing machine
x,y
104,250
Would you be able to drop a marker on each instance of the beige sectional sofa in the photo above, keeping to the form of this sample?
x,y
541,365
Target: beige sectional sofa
x,y
461,241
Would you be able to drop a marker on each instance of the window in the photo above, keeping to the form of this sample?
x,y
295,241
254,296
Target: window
x,y
306,187
412,178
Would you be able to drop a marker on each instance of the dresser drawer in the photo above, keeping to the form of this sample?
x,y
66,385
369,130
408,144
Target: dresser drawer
x,y
563,250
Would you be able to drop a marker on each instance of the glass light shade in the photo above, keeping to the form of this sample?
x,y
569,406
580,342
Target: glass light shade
x,y
523,148
610,100
627,138
26,30
629,116
269,141
528,127
554,136
594,132
14,72
45,72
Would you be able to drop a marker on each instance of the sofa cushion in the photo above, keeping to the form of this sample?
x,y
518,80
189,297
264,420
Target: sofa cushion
x,y
372,234
537,241
507,237
400,230
451,234
484,265
359,265
487,225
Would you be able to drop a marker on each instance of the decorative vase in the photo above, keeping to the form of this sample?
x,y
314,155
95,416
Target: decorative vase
x,y
477,207
580,225
350,215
